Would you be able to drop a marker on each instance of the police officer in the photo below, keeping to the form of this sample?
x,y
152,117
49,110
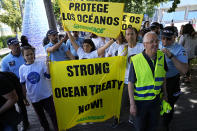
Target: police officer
x,y
146,80
57,48
155,27
177,63
11,63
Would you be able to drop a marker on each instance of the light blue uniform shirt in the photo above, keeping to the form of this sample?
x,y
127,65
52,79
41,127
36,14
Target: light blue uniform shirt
x,y
12,63
179,53
79,42
59,54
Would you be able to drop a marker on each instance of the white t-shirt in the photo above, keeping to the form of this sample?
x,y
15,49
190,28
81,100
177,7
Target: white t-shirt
x,y
113,49
131,52
84,55
98,42
189,44
37,85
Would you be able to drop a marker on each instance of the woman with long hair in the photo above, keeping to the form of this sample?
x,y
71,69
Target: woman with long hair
x,y
88,50
189,41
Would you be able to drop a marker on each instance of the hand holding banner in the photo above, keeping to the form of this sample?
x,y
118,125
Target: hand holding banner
x,y
87,90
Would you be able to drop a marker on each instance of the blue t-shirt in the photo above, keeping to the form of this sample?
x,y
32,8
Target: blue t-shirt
x,y
79,42
12,63
179,53
59,54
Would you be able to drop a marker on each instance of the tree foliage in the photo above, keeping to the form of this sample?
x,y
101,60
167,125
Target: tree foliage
x,y
10,14
174,5
144,6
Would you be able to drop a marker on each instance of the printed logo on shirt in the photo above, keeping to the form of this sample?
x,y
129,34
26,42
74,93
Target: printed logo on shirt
x,y
33,77
159,64
12,63
160,58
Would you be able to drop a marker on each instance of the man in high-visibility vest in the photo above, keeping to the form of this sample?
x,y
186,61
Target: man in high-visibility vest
x,y
146,81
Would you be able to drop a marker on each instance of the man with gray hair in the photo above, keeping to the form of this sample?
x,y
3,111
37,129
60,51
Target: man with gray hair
x,y
146,81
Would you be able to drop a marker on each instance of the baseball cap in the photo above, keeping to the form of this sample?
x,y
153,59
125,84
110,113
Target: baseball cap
x,y
12,41
168,32
51,32
146,30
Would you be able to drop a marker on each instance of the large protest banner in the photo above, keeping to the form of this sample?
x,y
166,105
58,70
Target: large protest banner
x,y
87,90
132,20
101,18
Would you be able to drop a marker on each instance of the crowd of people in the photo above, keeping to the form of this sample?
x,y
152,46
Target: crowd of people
x,y
156,58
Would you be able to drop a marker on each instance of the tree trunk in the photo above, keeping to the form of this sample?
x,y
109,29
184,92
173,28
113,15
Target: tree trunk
x,y
50,14
21,8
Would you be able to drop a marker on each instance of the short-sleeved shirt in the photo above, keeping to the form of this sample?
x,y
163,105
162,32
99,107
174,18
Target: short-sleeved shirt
x,y
59,54
33,76
98,42
189,43
84,55
180,54
132,74
131,52
79,42
113,49
12,63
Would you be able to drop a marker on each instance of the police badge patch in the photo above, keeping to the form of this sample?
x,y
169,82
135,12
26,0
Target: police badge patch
x,y
12,63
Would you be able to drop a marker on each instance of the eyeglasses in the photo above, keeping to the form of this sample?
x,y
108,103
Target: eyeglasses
x,y
166,38
152,41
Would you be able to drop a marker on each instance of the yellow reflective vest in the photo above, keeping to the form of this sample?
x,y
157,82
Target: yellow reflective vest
x,y
147,86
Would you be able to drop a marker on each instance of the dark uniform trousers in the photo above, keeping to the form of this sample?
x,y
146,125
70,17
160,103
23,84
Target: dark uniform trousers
x,y
173,91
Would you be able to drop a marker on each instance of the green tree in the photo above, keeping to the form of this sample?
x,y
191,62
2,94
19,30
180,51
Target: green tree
x,y
144,6
11,14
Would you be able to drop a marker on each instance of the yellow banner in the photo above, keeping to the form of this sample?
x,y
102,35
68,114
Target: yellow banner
x,y
101,18
87,90
132,20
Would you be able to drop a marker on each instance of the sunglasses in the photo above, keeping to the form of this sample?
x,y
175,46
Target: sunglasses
x,y
166,38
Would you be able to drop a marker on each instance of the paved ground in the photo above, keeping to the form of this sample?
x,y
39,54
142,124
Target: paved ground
x,y
185,118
